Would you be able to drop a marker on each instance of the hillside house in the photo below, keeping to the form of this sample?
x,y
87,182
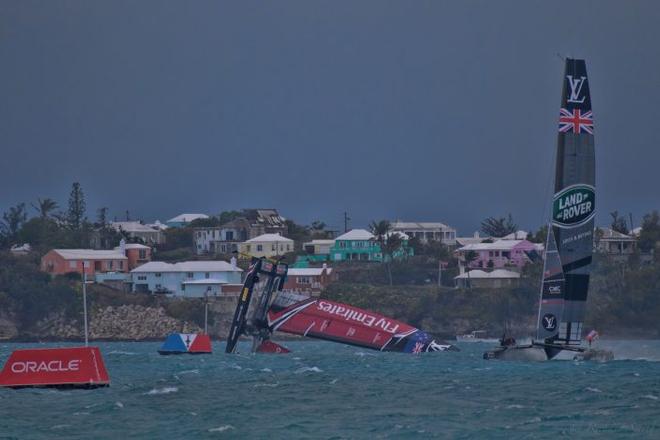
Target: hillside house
x,y
193,279
267,245
499,254
310,280
496,279
614,244
427,231
138,231
183,220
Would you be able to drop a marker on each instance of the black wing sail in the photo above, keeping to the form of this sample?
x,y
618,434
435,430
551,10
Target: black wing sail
x,y
574,206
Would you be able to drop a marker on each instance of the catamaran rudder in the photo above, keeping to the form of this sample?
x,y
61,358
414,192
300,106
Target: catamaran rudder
x,y
569,244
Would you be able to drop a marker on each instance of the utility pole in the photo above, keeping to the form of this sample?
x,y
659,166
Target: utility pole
x,y
84,289
346,219
631,222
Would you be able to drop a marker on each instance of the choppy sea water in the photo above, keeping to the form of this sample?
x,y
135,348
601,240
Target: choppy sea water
x,y
325,390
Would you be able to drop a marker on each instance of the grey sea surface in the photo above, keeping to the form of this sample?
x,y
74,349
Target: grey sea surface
x,y
325,390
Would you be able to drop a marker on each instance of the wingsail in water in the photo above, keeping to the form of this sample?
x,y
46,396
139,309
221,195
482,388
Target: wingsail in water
x,y
315,318
569,243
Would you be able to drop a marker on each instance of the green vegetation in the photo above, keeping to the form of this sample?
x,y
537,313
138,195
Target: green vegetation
x,y
498,227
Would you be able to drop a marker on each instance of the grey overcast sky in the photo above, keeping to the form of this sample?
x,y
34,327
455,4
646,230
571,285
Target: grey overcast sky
x,y
426,110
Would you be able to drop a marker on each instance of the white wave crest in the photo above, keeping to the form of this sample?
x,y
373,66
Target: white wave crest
x,y
222,428
126,353
309,370
164,390
650,396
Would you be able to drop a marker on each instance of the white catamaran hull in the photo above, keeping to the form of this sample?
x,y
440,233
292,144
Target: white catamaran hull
x,y
525,353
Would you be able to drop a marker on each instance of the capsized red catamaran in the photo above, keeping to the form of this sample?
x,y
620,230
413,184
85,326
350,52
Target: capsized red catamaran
x,y
316,318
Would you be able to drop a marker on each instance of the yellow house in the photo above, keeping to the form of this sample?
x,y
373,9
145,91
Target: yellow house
x,y
267,245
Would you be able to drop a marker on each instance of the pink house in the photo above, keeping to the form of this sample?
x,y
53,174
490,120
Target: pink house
x,y
499,254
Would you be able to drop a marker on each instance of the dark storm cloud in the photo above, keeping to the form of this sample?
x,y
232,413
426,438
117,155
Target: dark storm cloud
x,y
414,110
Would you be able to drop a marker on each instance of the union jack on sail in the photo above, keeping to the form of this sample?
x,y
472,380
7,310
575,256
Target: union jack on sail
x,y
576,121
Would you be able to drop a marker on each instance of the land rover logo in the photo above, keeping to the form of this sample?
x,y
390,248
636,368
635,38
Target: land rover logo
x,y
574,206
549,322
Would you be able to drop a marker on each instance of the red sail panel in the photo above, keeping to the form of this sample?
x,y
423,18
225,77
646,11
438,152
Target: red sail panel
x,y
74,367
323,319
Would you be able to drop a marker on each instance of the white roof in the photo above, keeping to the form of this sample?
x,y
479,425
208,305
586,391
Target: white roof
x,y
497,273
469,240
187,266
204,281
186,218
308,271
25,247
89,254
356,234
131,227
499,245
420,225
133,246
518,235
400,234
611,234
270,238
319,242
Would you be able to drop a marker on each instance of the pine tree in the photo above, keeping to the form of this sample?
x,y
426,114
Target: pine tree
x,y
77,207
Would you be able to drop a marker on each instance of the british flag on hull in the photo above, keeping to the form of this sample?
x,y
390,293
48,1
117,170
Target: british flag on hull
x,y
575,121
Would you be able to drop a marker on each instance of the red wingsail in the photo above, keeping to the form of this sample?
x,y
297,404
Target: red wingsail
x,y
329,320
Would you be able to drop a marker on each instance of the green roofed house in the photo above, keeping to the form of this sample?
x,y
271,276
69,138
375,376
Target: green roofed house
x,y
361,245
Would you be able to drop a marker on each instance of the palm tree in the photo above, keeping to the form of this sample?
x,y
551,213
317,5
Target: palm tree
x,y
380,230
393,243
469,256
45,207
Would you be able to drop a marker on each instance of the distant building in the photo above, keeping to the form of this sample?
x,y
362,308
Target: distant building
x,y
183,220
518,235
19,250
613,243
265,221
474,239
499,254
121,259
356,244
361,245
187,279
138,231
318,250
309,281
498,278
227,238
427,231
223,239
137,254
62,261
267,245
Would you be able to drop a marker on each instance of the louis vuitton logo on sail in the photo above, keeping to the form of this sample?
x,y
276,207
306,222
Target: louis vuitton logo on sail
x,y
573,206
576,87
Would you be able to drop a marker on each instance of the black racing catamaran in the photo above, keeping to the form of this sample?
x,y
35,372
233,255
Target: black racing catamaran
x,y
569,243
